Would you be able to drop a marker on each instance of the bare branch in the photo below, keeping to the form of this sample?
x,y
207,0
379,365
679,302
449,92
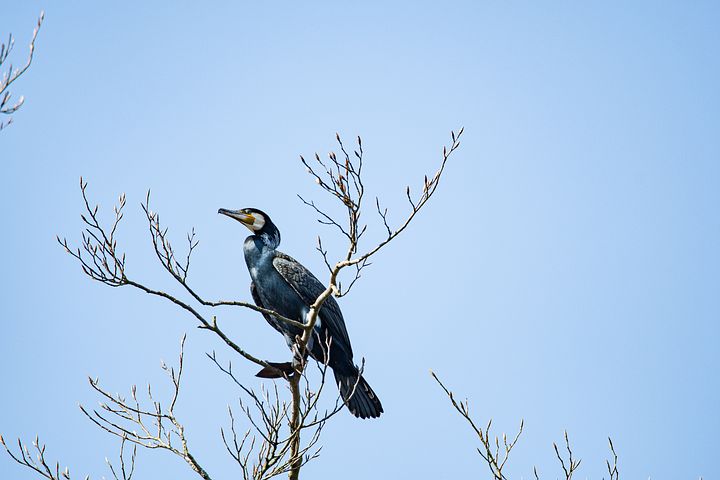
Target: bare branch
x,y
429,188
152,428
495,458
343,181
11,75
125,472
165,254
572,464
100,260
271,445
37,461
341,178
613,467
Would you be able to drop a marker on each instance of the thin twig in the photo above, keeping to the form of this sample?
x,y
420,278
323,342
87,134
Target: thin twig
x,y
494,458
152,429
10,76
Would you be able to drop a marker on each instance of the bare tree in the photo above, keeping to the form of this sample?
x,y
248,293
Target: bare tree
x,y
280,435
495,453
7,107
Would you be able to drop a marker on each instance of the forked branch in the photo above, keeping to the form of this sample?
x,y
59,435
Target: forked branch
x,y
272,445
341,177
613,467
35,460
124,471
179,270
152,427
496,453
7,107
101,260
570,464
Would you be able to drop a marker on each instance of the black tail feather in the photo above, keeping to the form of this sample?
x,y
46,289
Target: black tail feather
x,y
276,370
358,396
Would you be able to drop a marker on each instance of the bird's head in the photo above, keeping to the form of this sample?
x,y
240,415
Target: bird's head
x,y
257,222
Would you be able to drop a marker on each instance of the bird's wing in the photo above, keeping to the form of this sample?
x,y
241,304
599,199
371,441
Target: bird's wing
x,y
309,288
269,318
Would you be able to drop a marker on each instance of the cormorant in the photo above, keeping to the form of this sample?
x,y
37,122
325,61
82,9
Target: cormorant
x,y
282,284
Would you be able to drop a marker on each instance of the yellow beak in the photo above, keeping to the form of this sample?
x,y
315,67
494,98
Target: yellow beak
x,y
246,219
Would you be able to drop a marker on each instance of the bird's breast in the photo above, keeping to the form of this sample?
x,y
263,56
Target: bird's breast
x,y
257,257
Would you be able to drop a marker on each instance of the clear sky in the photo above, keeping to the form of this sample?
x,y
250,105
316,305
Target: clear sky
x,y
565,273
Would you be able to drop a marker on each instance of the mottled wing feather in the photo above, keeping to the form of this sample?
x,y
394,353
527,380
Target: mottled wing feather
x,y
309,288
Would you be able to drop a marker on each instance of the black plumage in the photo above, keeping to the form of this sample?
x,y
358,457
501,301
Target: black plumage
x,y
282,284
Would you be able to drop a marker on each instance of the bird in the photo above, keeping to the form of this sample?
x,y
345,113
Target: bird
x,y
282,284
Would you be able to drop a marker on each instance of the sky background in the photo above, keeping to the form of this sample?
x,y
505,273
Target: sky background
x,y
565,273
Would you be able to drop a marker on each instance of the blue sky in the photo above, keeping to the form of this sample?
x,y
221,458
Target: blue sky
x,y
565,273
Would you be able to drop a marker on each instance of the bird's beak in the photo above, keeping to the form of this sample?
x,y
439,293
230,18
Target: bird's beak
x,y
244,218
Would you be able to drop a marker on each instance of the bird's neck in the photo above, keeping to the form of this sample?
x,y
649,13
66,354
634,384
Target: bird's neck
x,y
271,241
258,254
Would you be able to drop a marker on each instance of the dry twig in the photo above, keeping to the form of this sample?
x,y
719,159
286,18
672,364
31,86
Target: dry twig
x,y
491,451
497,457
572,464
154,427
125,472
11,75
613,467
101,260
36,461
341,178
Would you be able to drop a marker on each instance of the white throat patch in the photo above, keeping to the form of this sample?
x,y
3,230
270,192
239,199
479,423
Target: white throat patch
x,y
259,222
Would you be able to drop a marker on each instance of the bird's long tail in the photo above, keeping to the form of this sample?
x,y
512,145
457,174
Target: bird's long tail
x,y
357,394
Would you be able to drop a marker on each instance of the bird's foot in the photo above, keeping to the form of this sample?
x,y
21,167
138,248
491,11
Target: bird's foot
x,y
299,358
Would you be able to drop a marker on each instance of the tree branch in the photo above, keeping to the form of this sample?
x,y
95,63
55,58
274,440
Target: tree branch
x,y
39,464
572,464
10,76
153,429
493,457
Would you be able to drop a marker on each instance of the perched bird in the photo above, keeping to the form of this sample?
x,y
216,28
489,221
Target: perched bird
x,y
282,284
